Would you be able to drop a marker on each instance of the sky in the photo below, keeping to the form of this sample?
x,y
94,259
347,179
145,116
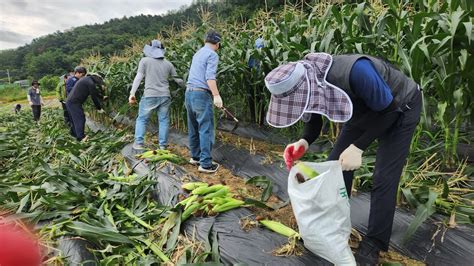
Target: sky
x,y
23,20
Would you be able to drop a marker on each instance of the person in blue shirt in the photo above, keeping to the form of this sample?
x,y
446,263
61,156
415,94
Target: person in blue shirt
x,y
201,93
79,72
375,101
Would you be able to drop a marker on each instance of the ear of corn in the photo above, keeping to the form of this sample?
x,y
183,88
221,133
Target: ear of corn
x,y
308,172
206,190
216,201
231,204
160,155
188,201
279,228
187,212
208,200
220,193
192,185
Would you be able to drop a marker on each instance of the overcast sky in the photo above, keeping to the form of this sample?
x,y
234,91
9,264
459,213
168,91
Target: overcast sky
x,y
23,20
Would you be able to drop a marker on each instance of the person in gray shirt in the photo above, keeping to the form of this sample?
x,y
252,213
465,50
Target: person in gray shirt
x,y
156,70
35,100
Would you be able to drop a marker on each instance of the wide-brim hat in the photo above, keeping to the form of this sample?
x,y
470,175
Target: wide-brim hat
x,y
299,89
154,50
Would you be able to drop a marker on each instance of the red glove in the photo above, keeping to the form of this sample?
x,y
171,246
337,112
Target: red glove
x,y
18,247
294,151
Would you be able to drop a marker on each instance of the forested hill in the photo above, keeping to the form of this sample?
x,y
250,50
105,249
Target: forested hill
x,y
55,53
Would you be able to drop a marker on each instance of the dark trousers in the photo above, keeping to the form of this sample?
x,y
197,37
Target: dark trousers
x,y
77,119
36,112
392,151
66,114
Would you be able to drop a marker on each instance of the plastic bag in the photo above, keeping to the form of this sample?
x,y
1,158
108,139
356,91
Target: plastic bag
x,y
322,210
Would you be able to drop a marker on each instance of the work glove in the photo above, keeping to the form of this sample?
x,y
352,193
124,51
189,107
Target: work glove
x,y
31,103
132,99
351,158
218,101
294,151
101,111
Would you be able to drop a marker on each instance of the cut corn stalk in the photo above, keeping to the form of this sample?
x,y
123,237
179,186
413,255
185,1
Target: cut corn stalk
x,y
134,217
155,249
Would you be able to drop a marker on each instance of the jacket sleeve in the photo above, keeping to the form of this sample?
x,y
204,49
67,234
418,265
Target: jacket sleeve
x,y
312,128
95,96
175,77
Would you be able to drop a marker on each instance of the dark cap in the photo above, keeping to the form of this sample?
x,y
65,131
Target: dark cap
x,y
213,37
34,82
80,69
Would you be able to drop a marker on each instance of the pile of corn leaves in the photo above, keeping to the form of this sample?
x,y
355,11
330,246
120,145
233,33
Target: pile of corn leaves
x,y
70,189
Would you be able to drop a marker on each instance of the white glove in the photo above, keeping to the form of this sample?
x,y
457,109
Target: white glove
x,y
31,103
101,111
351,158
132,99
218,101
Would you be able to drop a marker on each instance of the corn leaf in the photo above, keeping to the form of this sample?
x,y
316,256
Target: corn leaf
x,y
422,213
263,182
98,233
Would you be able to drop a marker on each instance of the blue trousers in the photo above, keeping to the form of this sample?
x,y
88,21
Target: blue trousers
x,y
147,106
200,114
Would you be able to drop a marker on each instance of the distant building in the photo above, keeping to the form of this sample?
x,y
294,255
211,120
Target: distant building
x,y
23,83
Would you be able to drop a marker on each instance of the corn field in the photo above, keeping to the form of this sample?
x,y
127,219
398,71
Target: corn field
x,y
88,190
429,40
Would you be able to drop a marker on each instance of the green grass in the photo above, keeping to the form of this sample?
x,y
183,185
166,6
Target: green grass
x,y
11,93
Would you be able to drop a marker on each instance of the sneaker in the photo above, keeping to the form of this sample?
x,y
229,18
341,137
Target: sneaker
x,y
163,147
85,139
367,253
137,146
211,169
194,161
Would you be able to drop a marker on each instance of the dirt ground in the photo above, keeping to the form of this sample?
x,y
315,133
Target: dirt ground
x,y
49,102
238,186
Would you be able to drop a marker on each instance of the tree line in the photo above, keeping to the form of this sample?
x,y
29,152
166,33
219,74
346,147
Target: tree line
x,y
59,52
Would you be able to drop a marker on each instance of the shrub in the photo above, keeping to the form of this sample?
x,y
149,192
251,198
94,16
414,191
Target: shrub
x,y
49,82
